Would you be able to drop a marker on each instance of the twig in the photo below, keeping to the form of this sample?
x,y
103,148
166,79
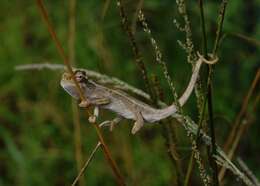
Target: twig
x,y
203,107
135,17
248,171
75,110
158,57
169,133
250,40
191,162
86,164
106,151
235,134
136,52
209,91
220,25
45,18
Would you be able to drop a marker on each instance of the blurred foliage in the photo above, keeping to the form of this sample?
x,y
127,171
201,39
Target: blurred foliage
x,y
36,130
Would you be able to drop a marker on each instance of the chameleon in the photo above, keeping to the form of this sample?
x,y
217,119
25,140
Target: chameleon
x,y
119,102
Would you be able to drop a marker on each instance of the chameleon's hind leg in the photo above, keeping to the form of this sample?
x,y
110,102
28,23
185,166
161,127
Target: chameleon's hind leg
x,y
111,123
138,123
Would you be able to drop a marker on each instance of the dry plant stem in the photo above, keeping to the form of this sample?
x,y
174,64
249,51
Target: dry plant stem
x,y
204,176
248,171
191,162
170,137
203,29
106,151
220,25
108,156
189,48
134,21
213,150
245,38
212,134
58,45
202,112
158,57
86,164
239,127
169,131
191,57
77,137
209,92
241,112
137,54
75,110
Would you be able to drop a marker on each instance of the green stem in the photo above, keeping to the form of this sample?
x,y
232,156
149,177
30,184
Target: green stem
x,y
209,94
191,162
212,134
203,27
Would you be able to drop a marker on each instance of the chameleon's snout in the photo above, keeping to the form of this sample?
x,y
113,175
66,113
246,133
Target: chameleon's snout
x,y
68,85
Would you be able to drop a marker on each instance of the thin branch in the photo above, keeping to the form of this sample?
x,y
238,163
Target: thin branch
x,y
248,171
203,107
75,110
86,164
220,25
135,17
106,151
209,91
243,37
241,112
236,133
158,57
136,51
58,45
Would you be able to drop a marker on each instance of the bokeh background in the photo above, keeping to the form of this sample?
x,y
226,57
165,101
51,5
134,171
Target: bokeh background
x,y
37,134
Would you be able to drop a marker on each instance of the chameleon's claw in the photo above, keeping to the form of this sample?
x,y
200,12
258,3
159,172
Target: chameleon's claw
x,y
110,124
84,103
92,119
104,124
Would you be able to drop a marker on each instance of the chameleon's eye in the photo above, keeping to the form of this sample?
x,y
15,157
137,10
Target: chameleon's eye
x,y
80,76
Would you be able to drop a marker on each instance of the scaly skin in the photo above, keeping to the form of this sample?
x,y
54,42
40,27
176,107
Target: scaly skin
x,y
123,104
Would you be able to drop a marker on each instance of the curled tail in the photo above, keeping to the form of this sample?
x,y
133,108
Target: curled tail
x,y
166,112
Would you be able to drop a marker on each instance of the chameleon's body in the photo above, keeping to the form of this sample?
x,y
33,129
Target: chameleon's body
x,y
121,103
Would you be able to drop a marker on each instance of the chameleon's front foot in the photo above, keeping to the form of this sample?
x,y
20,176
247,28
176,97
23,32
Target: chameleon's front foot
x,y
92,119
84,103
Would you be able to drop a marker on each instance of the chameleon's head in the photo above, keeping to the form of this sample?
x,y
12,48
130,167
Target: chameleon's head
x,y
68,84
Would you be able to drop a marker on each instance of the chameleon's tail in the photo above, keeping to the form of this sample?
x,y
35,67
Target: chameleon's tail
x,y
166,112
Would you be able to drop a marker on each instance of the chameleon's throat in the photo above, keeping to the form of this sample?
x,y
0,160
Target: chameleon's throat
x,y
70,88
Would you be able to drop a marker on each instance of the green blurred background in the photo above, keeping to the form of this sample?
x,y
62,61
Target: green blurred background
x,y
37,143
